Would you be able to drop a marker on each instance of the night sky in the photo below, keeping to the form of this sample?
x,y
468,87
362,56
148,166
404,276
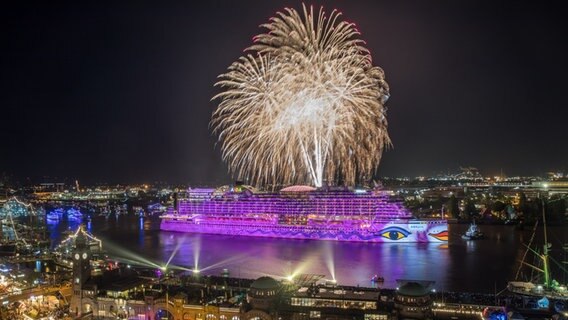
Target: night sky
x,y
120,92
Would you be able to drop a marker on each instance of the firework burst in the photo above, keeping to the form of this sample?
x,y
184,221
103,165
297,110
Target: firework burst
x,y
304,105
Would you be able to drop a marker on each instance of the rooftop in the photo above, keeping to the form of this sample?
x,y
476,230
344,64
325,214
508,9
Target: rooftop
x,y
298,188
359,294
265,283
414,288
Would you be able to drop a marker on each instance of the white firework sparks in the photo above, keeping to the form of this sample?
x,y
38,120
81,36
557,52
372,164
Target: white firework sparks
x,y
305,105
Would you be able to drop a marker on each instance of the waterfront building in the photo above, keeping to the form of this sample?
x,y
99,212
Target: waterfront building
x,y
64,253
413,300
81,300
125,295
262,299
269,299
121,293
101,294
178,307
337,303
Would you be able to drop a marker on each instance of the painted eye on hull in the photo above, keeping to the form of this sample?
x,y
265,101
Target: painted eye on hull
x,y
394,233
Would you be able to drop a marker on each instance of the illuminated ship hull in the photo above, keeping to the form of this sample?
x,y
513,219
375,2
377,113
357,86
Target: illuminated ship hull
x,y
302,213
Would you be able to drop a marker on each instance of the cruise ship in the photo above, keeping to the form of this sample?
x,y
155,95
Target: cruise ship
x,y
301,212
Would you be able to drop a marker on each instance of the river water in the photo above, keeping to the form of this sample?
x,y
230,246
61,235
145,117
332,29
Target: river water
x,y
475,266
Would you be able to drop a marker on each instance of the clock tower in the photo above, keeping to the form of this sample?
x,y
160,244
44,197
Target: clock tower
x,y
81,270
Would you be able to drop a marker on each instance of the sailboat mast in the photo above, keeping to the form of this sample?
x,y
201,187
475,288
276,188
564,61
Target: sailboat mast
x,y
545,250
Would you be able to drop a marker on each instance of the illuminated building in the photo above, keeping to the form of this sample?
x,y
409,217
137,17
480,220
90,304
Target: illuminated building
x,y
336,302
263,297
269,299
302,212
413,300
81,274
11,225
64,252
14,208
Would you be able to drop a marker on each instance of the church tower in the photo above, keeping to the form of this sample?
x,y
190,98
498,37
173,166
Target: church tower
x,y
81,270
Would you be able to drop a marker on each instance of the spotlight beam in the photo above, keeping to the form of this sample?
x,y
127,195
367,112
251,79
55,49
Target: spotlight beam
x,y
126,254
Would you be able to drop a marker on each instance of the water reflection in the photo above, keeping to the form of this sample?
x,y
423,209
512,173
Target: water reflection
x,y
470,245
349,263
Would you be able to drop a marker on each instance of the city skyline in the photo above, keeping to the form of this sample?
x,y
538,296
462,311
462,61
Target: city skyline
x,y
121,92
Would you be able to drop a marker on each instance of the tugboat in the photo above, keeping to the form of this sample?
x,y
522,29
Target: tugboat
x,y
473,232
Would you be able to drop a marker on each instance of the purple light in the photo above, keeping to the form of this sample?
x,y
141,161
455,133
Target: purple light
x,y
343,215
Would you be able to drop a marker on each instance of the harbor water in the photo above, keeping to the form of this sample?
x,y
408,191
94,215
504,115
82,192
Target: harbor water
x,y
472,266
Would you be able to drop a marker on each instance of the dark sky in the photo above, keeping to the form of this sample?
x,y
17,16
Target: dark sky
x,y
119,92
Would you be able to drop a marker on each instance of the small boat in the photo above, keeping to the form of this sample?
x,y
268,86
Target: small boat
x,y
53,216
74,214
139,211
473,233
157,207
377,279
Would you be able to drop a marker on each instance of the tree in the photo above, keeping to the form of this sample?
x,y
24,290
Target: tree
x,y
498,206
522,202
532,211
469,208
555,209
453,207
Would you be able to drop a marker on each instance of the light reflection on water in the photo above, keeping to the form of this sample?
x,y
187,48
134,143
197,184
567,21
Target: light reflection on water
x,y
457,266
